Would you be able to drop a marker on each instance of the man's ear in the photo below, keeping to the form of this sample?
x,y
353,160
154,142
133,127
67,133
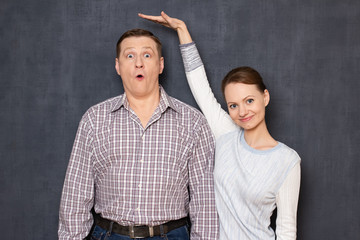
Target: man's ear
x,y
266,97
117,67
161,65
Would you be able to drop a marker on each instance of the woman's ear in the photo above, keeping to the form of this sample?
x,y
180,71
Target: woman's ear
x,y
266,97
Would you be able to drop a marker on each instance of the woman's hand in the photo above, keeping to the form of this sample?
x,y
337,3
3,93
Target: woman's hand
x,y
164,20
174,23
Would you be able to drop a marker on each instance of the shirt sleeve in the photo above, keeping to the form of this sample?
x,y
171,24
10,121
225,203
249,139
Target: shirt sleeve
x,y
203,215
287,203
75,218
218,119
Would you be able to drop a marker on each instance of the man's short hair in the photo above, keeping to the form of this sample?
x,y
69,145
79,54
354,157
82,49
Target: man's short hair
x,y
137,32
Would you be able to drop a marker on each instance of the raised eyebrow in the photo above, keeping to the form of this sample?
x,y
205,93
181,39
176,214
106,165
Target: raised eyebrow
x,y
248,96
148,48
129,49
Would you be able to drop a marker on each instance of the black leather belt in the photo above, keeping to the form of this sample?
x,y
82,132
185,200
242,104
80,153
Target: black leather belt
x,y
139,231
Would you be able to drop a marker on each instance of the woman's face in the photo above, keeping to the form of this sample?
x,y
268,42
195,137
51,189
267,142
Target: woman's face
x,y
246,104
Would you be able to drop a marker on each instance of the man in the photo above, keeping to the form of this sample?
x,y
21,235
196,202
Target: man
x,y
144,160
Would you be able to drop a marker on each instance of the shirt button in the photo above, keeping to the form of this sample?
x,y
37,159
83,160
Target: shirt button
x,y
142,160
137,209
139,185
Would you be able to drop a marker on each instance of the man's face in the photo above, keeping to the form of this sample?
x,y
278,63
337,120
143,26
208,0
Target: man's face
x,y
139,66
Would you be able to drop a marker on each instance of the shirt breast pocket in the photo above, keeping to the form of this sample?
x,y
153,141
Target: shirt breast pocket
x,y
173,151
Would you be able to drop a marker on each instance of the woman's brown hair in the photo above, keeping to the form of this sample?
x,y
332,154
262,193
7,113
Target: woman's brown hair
x,y
246,75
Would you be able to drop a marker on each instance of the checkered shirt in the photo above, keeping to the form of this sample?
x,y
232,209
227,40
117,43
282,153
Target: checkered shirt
x,y
140,176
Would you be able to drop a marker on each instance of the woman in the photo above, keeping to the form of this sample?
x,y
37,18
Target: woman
x,y
253,173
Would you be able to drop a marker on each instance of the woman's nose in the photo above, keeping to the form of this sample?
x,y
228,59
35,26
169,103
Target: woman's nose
x,y
242,111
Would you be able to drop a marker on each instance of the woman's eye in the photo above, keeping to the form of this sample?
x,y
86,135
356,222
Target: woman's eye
x,y
146,55
250,101
130,55
232,106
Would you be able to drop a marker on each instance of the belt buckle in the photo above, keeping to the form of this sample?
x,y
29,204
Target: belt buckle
x,y
151,231
131,232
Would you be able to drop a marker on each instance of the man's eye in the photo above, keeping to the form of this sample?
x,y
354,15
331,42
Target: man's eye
x,y
146,55
130,55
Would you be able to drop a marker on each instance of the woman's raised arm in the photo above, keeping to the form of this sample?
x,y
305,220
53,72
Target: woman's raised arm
x,y
174,23
218,119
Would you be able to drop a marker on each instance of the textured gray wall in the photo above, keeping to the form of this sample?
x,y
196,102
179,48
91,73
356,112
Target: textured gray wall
x,y
57,60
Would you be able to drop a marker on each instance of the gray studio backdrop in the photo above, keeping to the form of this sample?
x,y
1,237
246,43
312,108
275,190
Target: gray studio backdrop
x,y
57,60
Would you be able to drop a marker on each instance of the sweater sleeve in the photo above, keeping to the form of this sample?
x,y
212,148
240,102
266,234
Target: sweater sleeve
x,y
218,119
287,203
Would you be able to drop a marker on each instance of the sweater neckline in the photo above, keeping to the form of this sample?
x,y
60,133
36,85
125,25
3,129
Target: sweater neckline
x,y
243,142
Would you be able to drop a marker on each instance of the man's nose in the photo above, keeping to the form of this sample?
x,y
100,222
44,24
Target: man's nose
x,y
139,63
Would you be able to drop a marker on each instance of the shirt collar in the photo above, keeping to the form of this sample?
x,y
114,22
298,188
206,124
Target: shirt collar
x,y
165,102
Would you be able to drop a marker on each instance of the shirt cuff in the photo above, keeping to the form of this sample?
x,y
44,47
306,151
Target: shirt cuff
x,y
190,56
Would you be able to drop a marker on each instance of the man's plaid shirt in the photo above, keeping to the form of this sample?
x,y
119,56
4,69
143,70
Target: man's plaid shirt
x,y
140,176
